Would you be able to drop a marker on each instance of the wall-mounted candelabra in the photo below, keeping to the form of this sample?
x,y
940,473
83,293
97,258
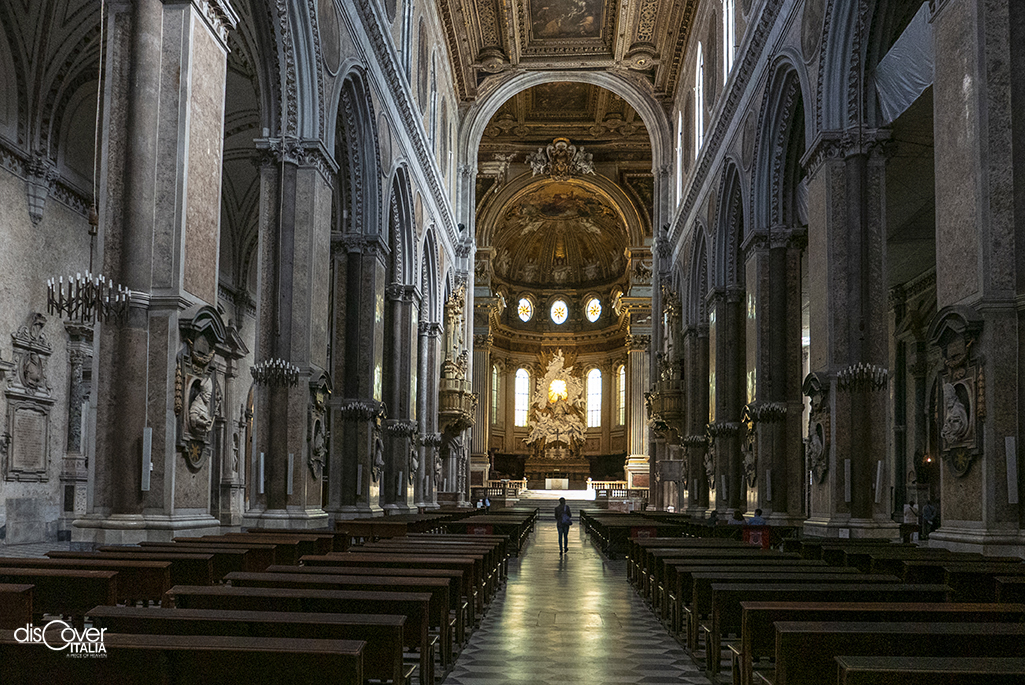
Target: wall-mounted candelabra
x,y
275,373
87,299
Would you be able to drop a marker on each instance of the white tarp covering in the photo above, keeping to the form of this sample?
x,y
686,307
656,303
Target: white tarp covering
x,y
907,69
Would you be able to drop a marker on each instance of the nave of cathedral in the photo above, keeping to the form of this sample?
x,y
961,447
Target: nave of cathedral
x,y
284,265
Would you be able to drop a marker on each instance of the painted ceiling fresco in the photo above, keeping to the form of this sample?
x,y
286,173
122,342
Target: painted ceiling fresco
x,y
489,39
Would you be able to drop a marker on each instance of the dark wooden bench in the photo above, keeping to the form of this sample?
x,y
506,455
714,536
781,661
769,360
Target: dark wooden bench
x,y
64,592
468,565
382,655
148,659
136,580
758,636
701,601
974,582
929,670
489,565
305,543
807,650
284,552
438,588
658,560
727,615
415,606
15,605
255,557
330,541
459,588
1010,589
186,569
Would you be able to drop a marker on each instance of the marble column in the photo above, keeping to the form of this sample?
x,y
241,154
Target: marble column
x,y
728,307
482,419
159,236
400,376
849,333
357,352
427,415
695,444
979,162
638,375
294,255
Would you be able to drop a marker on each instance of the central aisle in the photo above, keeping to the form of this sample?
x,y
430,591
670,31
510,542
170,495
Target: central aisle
x,y
570,618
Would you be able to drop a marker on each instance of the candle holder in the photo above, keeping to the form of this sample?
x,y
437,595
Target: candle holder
x,y
275,373
87,299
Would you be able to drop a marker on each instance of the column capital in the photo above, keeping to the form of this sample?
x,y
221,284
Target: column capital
x,y
219,15
840,145
429,329
636,343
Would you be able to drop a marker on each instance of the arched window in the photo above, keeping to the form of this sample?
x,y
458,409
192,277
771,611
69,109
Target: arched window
x,y
699,102
593,398
729,36
495,380
679,157
522,397
621,399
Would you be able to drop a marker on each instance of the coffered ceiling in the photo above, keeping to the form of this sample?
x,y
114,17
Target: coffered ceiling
x,y
488,38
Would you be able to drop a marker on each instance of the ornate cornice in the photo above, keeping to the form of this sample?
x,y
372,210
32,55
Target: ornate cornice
x,y
219,15
839,145
636,342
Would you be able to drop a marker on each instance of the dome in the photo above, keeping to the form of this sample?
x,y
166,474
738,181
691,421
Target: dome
x,y
559,234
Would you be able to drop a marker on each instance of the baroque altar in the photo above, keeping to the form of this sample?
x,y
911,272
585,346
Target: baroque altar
x,y
556,424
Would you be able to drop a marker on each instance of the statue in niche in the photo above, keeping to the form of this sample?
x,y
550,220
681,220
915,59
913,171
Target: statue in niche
x,y
502,263
378,465
201,418
414,462
318,450
591,271
815,451
955,422
454,342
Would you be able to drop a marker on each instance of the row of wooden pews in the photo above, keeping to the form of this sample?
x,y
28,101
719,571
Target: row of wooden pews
x,y
836,611
352,607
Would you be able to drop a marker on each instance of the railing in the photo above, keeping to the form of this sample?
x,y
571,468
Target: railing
x,y
506,488
607,485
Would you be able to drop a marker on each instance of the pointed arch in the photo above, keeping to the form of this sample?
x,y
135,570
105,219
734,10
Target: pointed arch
x,y
729,230
400,229
782,140
356,140
430,301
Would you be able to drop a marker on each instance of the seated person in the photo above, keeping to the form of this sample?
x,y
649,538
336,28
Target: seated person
x,y
737,519
757,519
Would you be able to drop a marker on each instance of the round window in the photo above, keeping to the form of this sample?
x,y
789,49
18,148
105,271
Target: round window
x,y
525,309
593,309
560,311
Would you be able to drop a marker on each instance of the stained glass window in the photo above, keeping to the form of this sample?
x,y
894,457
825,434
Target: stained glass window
x,y
593,309
525,309
560,311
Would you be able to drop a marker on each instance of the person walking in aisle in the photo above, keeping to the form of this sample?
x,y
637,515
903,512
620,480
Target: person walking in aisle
x,y
563,520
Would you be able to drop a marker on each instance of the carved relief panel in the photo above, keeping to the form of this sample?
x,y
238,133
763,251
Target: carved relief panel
x,y
27,438
959,402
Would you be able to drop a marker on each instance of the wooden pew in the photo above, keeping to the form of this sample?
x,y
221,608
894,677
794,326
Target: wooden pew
x,y
1010,589
148,659
807,650
658,559
974,582
186,569
284,551
64,592
306,542
490,565
459,587
758,636
15,605
382,655
332,541
701,601
256,557
136,580
726,612
415,606
929,670
438,588
468,565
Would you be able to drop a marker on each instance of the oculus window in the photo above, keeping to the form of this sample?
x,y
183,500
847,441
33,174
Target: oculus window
x,y
525,309
593,309
560,312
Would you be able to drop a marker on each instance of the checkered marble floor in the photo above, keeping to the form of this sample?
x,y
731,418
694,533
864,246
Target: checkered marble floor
x,y
570,618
